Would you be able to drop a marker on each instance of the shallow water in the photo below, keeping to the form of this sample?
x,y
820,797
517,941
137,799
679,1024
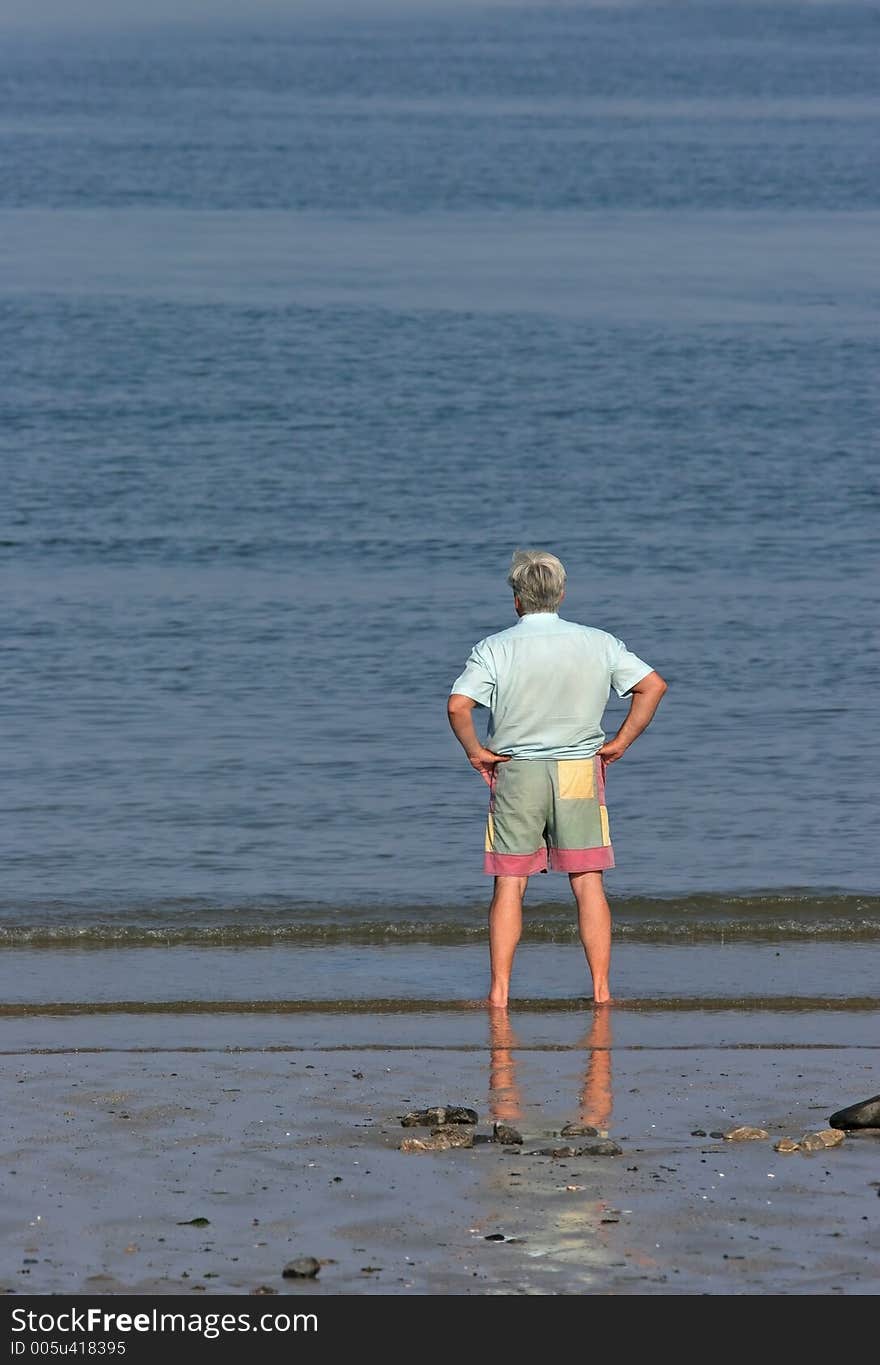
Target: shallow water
x,y
301,332
390,976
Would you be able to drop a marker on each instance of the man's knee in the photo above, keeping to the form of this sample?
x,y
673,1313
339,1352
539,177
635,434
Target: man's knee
x,y
511,886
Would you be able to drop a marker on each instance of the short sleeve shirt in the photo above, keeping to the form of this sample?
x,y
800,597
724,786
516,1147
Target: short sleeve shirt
x,y
546,683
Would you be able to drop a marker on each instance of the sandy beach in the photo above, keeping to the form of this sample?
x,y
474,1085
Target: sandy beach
x,y
283,1132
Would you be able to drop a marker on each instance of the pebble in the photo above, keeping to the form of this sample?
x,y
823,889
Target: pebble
x,y
459,1113
303,1268
579,1130
811,1142
503,1132
716,1134
424,1118
699,1132
438,1115
745,1134
461,1137
440,1141
604,1147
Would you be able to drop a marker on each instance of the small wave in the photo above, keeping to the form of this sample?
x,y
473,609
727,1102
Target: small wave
x,y
758,916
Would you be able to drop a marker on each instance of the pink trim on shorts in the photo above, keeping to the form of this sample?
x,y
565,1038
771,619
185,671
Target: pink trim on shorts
x,y
582,859
515,864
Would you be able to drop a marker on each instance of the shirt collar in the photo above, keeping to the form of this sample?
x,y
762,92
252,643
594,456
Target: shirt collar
x,y
538,616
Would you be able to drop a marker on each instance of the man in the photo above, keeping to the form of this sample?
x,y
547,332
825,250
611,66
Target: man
x,y
546,682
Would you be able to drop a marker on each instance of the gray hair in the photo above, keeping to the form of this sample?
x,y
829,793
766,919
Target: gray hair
x,y
537,579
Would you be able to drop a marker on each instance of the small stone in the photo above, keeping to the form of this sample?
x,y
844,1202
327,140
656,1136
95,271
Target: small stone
x,y
604,1147
303,1268
716,1134
579,1130
453,1137
811,1142
495,1237
440,1141
458,1113
831,1137
503,1132
865,1114
264,1289
785,1145
699,1132
423,1118
746,1134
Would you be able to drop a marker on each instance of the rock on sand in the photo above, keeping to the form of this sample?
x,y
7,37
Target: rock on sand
x,y
440,1140
865,1114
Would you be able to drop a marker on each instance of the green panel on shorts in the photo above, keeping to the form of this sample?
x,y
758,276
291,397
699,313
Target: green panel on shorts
x,y
522,802
576,822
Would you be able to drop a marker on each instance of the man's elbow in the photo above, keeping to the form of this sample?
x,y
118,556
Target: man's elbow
x,y
458,704
653,685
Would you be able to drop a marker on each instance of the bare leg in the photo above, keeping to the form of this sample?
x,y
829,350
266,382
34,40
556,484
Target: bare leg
x,y
594,925
505,927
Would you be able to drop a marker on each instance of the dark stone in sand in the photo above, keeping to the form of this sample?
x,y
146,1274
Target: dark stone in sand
x,y
424,1118
502,1132
699,1132
716,1134
303,1268
865,1114
418,1118
495,1237
604,1147
438,1116
457,1113
579,1130
264,1289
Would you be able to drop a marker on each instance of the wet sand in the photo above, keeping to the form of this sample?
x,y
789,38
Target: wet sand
x,y
283,1132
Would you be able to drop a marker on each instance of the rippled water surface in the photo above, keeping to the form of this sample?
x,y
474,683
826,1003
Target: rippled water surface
x,y
303,329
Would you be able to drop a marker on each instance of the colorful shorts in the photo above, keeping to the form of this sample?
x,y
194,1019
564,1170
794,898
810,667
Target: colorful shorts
x,y
548,809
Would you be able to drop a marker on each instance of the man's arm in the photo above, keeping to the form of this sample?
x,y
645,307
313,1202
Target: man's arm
x,y
645,700
460,710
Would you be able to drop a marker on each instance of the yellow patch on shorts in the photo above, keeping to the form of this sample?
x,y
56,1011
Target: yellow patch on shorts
x,y
575,776
490,834
603,820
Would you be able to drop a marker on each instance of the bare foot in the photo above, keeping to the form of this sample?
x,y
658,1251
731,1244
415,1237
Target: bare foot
x,y
607,1000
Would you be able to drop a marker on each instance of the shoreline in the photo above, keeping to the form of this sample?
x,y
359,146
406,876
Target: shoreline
x,y
288,1145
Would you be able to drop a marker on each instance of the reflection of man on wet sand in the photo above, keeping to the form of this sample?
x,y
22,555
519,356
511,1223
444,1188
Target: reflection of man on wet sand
x,y
505,1099
546,682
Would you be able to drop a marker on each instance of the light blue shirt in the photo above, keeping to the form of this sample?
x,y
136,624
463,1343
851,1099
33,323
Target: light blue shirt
x,y
546,682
